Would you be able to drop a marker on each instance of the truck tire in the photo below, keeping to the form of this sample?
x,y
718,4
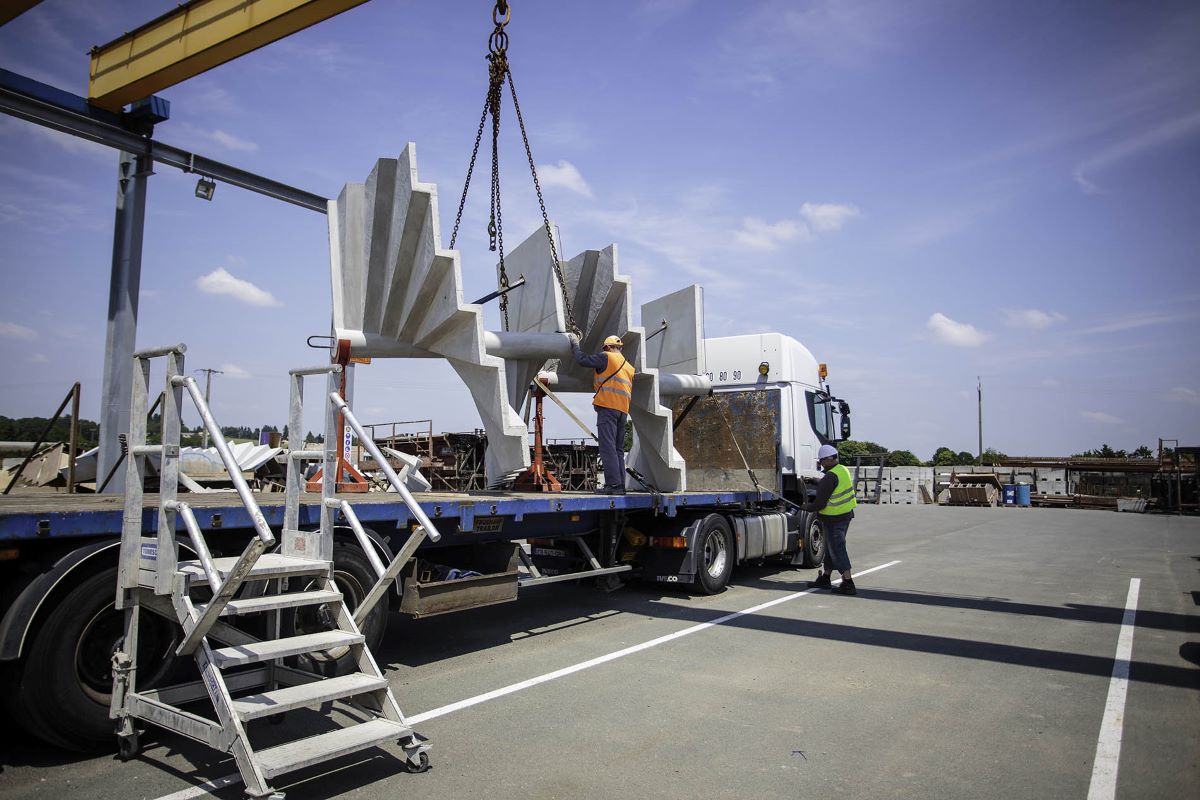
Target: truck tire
x,y
814,543
715,555
65,682
354,577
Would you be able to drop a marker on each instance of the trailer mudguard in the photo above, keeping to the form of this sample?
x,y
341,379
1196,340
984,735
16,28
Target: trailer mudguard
x,y
18,619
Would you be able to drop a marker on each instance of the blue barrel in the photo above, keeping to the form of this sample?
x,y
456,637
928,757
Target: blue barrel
x,y
1010,494
1022,494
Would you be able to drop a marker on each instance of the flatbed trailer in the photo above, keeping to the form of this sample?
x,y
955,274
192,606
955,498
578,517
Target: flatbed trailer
x,y
59,554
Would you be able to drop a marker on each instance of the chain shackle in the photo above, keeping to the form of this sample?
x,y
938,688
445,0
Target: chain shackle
x,y
502,9
501,14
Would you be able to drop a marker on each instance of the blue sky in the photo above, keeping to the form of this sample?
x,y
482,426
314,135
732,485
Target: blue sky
x,y
921,192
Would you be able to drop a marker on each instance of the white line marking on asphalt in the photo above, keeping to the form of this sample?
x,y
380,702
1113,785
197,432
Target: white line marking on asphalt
x,y
205,788
1108,747
604,659
415,719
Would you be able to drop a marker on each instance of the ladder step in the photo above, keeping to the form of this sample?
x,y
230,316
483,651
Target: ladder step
x,y
306,695
269,565
281,648
271,602
315,749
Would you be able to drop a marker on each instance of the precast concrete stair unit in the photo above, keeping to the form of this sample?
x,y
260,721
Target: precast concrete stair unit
x,y
397,293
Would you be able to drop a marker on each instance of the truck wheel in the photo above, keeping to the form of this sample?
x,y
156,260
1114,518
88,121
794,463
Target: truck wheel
x,y
66,679
714,555
355,577
814,543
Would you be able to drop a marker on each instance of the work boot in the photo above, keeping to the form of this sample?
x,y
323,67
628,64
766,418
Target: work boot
x,y
846,587
822,582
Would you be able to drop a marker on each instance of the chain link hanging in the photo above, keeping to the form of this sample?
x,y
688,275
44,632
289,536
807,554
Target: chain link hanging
x,y
498,73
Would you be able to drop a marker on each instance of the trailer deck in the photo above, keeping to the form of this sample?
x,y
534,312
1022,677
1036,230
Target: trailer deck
x,y
44,515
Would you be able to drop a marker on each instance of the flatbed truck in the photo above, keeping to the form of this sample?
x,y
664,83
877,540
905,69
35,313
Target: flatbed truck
x,y
59,553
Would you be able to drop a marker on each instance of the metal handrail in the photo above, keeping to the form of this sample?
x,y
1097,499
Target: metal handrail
x,y
199,545
360,533
393,479
224,591
231,466
425,527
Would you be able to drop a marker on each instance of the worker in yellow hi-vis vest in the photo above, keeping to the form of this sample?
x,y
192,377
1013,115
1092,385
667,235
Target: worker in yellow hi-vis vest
x,y
613,384
834,503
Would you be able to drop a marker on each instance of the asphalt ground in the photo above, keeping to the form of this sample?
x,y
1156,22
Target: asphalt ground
x,y
977,661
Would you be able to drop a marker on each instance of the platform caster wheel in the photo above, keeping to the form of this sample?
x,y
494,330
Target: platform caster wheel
x,y
128,747
421,765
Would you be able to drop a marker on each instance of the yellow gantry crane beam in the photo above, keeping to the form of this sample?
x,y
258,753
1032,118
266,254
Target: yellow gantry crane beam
x,y
194,37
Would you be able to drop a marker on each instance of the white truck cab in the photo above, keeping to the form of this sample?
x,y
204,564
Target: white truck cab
x,y
806,415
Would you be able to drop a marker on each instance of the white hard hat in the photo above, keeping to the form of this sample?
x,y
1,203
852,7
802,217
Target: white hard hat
x,y
827,451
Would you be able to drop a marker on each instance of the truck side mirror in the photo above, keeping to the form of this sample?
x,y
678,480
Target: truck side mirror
x,y
845,425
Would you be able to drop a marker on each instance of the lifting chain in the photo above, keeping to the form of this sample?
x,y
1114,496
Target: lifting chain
x,y
498,72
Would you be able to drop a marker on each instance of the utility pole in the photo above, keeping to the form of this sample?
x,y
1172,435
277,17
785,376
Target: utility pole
x,y
207,387
979,389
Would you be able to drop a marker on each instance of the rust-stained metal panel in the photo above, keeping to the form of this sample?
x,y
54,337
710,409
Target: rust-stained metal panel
x,y
705,440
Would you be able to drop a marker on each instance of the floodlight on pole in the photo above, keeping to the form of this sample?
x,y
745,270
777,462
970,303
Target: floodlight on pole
x,y
205,188
207,389
979,389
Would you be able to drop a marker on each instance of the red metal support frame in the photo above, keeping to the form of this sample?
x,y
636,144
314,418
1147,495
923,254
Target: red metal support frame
x,y
538,478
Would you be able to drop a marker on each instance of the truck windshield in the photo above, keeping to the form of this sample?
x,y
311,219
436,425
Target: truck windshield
x,y
818,415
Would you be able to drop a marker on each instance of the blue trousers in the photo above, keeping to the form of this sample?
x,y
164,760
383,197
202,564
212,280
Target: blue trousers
x,y
836,557
610,429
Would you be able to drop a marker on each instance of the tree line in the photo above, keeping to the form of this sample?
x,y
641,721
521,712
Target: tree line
x,y
947,457
28,429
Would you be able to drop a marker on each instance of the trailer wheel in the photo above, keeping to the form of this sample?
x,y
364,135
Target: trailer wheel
x,y
714,555
66,680
355,577
814,543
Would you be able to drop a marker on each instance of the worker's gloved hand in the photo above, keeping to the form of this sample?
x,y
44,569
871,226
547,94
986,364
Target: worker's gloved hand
x,y
574,338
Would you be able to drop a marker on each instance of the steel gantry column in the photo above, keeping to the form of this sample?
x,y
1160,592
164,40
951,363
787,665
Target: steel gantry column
x,y
123,289
130,133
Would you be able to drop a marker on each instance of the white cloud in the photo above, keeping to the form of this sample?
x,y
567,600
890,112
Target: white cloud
x,y
1100,417
824,217
235,372
219,281
231,142
1136,320
1032,318
959,334
1157,136
12,330
39,358
565,175
815,218
1182,394
759,235
1050,382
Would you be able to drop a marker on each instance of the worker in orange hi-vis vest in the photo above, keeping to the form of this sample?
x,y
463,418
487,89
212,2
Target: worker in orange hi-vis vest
x,y
613,384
